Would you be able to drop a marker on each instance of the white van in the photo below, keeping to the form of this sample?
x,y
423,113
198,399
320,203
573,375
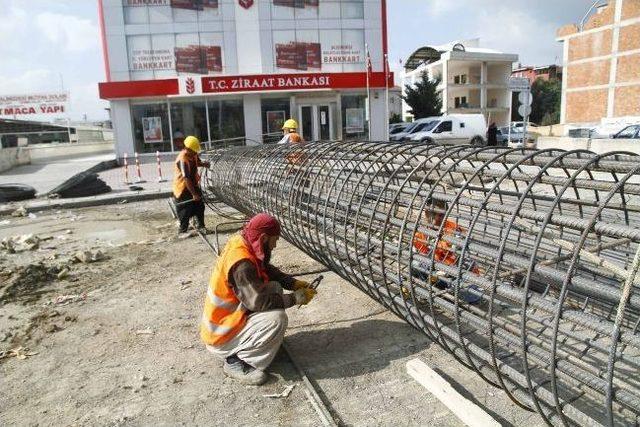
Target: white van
x,y
412,129
454,129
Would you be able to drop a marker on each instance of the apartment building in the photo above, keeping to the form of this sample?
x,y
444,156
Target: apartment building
x,y
601,79
473,79
545,72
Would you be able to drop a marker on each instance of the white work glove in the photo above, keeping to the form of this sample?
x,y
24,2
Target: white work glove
x,y
304,295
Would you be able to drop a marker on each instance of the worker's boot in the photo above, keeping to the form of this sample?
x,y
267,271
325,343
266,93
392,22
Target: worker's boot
x,y
235,368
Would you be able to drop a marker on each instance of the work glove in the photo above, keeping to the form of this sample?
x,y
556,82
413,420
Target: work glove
x,y
304,295
300,284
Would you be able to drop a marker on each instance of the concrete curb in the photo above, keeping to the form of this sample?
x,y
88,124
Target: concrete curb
x,y
83,202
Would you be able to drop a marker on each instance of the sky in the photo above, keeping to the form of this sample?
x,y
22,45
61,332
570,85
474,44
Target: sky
x,y
48,45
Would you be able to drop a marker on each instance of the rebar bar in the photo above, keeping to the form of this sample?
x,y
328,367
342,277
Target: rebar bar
x,y
518,262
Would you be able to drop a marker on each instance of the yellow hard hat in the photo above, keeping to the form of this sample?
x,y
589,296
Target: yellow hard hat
x,y
290,124
192,143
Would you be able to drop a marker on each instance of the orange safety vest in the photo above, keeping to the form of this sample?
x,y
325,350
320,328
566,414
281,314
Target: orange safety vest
x,y
443,254
295,157
191,162
224,315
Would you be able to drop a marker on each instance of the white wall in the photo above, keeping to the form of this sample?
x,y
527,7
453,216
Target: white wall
x,y
13,156
252,119
45,153
122,127
378,123
599,146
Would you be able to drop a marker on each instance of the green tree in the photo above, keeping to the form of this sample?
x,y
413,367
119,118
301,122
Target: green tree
x,y
395,118
423,98
545,108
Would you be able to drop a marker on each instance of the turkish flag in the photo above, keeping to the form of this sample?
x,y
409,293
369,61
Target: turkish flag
x,y
246,3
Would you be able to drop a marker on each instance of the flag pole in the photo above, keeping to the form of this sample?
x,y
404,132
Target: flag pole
x,y
368,63
386,87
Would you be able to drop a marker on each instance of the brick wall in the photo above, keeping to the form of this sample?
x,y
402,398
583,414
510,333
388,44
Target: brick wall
x,y
588,74
586,106
590,105
590,45
627,101
628,68
630,9
605,17
629,37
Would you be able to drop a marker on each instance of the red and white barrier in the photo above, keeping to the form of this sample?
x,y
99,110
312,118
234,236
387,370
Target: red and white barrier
x,y
126,169
160,178
138,171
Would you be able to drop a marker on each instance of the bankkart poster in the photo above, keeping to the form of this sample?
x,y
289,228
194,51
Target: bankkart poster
x,y
152,129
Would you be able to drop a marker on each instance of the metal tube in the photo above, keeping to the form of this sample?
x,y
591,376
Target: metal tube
x,y
544,240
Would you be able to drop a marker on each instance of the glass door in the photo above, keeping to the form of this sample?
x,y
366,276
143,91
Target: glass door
x,y
324,122
307,126
316,122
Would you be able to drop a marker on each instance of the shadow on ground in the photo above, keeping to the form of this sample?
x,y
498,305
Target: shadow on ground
x,y
364,347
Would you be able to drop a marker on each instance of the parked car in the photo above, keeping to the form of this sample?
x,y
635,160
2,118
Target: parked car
x,y
630,132
514,138
413,127
521,124
453,129
502,136
397,127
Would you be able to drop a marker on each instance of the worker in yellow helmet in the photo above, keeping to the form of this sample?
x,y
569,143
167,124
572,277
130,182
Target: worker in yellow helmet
x,y
291,135
186,186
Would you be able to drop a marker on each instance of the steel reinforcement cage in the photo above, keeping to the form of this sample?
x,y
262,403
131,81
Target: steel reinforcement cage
x,y
533,281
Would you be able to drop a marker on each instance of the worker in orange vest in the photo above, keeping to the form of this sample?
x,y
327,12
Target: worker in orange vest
x,y
445,252
244,320
186,186
290,132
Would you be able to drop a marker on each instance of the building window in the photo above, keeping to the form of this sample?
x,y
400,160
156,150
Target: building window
x,y
151,127
460,101
354,122
188,118
460,79
226,120
274,112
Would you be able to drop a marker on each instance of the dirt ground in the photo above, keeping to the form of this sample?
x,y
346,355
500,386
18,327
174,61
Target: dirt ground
x,y
98,326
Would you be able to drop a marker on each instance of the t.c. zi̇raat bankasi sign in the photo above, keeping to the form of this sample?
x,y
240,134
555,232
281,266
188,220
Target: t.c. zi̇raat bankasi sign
x,y
266,82
25,105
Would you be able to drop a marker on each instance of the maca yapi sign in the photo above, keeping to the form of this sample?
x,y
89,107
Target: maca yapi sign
x,y
24,105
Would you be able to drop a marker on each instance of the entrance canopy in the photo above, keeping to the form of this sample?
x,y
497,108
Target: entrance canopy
x,y
425,54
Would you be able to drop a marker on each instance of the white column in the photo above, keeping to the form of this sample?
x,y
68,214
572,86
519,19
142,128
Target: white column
x,y
252,119
565,80
248,39
613,69
122,128
445,84
483,87
377,116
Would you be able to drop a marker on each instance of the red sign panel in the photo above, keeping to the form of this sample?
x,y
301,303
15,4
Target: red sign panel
x,y
249,83
298,55
196,59
268,82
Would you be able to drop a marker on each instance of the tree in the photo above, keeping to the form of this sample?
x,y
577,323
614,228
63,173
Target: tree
x,y
395,118
423,98
545,108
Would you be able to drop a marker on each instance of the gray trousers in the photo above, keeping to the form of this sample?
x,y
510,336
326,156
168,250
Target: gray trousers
x,y
258,342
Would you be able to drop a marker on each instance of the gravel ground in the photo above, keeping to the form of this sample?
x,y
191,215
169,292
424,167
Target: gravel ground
x,y
98,326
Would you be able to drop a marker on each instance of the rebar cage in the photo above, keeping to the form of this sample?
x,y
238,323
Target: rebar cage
x,y
521,263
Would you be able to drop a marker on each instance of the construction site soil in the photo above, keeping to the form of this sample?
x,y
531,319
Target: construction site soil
x,y
99,310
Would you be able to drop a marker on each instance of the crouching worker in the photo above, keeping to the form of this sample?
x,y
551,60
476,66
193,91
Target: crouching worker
x,y
445,252
244,319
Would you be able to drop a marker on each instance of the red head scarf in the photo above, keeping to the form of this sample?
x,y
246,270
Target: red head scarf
x,y
258,226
